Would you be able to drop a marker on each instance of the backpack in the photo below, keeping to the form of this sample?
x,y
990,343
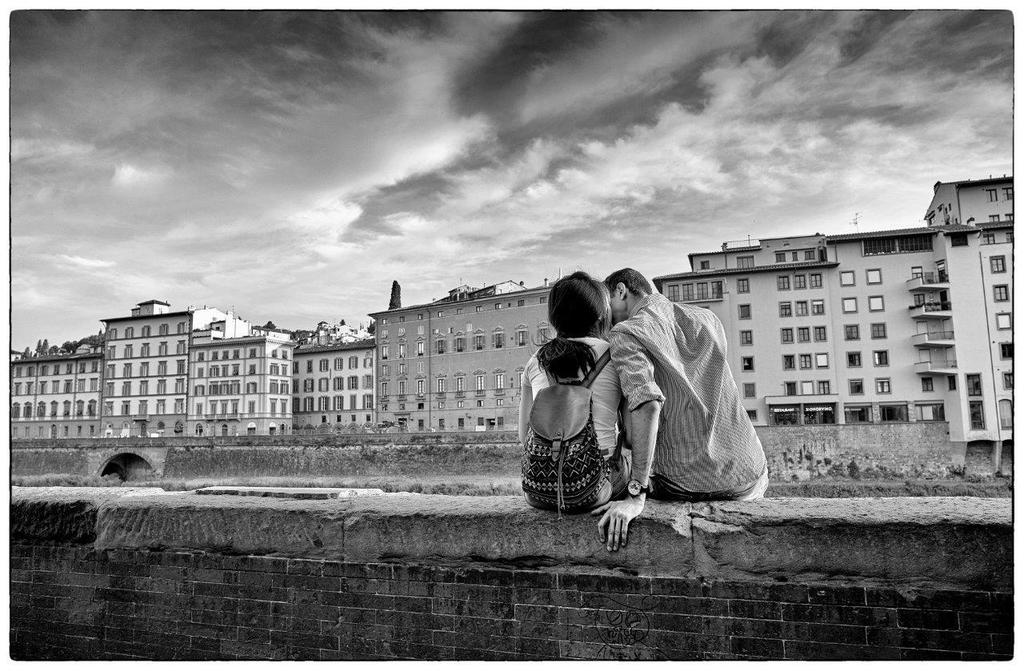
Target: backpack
x,y
563,466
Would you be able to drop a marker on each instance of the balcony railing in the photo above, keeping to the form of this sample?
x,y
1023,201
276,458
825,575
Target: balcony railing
x,y
936,280
933,339
947,366
933,310
481,392
499,392
700,298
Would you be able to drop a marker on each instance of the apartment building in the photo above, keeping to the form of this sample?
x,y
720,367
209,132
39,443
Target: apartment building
x,y
888,326
240,385
56,396
969,201
145,367
456,364
333,385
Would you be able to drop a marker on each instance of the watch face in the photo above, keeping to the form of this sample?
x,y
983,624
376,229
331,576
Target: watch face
x,y
634,487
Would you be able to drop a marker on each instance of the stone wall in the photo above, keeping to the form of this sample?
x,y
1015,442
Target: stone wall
x,y
98,574
888,451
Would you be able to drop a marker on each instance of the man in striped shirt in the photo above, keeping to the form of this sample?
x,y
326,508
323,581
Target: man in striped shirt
x,y
691,437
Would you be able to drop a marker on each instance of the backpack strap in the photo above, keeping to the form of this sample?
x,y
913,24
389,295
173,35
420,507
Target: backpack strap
x,y
598,367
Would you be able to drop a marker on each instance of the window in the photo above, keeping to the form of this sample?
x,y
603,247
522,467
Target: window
x,y
705,265
801,308
747,363
499,340
1000,293
820,334
806,388
876,303
883,385
856,387
789,388
1006,414
419,348
1008,192
989,238
853,360
851,331
849,305
673,292
815,280
973,382
958,240
977,410
780,257
788,362
824,387
874,276
880,357
878,331
803,334
927,384
787,335
998,264
782,282
687,292
478,341
1006,350
817,307
931,412
744,311
1008,380
951,381
1003,320
847,278
805,361
799,281
752,414
746,337
821,360
993,195
744,261
479,382
892,413
499,380
749,390
743,286
785,309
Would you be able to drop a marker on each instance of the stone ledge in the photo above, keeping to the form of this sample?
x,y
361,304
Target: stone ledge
x,y
951,542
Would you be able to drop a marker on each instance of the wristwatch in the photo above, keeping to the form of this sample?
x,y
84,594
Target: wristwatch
x,y
635,488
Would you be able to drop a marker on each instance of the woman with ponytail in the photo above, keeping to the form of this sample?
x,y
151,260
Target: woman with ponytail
x,y
580,313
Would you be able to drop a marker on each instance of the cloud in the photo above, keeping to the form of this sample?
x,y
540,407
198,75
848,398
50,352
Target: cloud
x,y
89,264
130,176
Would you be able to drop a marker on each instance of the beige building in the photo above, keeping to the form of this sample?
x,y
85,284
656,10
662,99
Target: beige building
x,y
333,385
902,325
455,364
240,385
56,396
145,368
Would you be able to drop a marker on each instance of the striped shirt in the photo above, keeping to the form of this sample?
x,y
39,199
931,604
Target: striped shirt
x,y
677,354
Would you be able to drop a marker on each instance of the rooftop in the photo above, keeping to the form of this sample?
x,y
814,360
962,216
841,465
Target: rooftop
x,y
475,295
920,230
772,267
369,343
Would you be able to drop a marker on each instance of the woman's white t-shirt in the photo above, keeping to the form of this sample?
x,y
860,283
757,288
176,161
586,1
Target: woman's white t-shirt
x,y
606,393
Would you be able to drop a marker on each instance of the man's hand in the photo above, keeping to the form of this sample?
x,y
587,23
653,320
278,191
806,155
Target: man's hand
x,y
616,519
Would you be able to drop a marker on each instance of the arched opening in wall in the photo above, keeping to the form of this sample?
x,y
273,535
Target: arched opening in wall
x,y
127,466
53,431
271,429
223,429
250,429
199,429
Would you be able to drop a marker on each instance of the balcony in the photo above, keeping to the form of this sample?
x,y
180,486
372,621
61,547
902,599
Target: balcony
x,y
801,398
933,339
499,392
932,310
481,392
460,394
926,281
929,367
701,298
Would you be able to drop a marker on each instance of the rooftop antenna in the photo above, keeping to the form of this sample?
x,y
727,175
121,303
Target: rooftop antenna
x,y
855,221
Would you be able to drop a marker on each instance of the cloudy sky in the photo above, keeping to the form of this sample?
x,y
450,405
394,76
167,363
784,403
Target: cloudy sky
x,y
292,165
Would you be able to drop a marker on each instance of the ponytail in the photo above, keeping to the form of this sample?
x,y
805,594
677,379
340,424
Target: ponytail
x,y
564,358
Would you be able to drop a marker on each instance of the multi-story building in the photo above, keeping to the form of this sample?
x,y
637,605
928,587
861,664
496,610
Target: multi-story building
x,y
968,201
333,385
56,396
145,367
240,385
887,326
456,363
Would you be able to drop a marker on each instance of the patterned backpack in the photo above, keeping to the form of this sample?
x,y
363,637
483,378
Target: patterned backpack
x,y
563,466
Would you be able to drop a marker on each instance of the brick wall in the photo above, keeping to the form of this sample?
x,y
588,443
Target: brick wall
x,y
75,602
97,576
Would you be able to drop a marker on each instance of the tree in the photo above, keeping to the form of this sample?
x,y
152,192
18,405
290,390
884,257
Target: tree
x,y
372,328
396,296
45,347
341,323
53,350
39,346
28,353
69,346
270,325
